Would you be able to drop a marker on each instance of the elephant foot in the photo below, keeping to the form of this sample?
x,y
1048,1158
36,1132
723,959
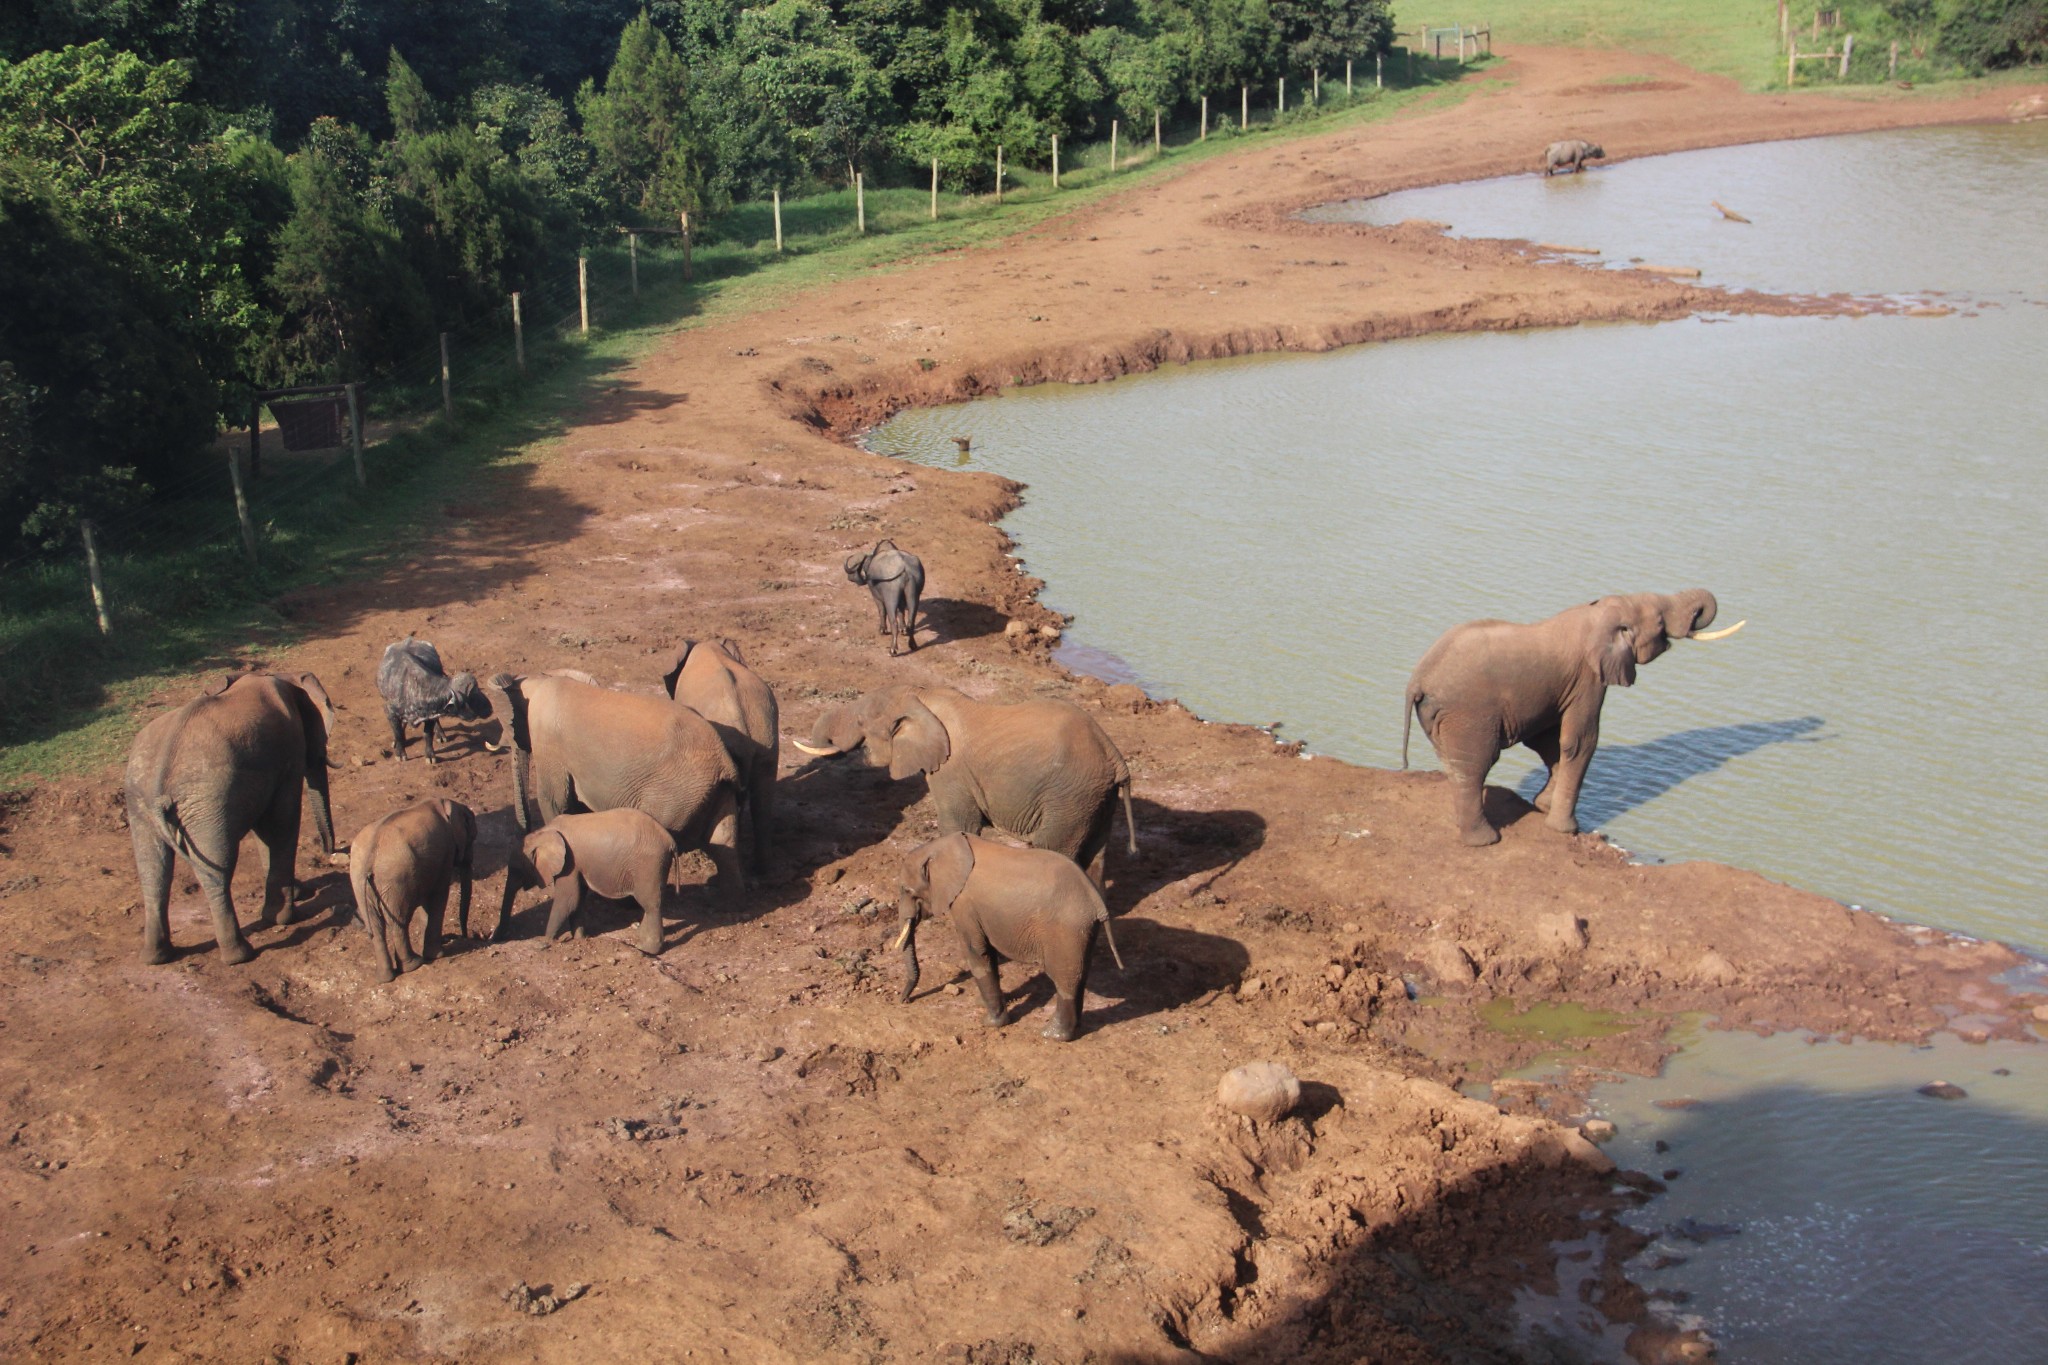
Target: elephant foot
x,y
156,955
1541,801
1480,836
236,953
649,944
993,1019
1058,1032
1566,824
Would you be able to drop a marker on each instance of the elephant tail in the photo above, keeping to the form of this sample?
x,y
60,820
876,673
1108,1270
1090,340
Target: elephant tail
x,y
1409,702
172,831
1130,821
1103,915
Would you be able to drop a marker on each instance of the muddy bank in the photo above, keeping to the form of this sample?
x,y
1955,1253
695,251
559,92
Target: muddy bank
x,y
747,1149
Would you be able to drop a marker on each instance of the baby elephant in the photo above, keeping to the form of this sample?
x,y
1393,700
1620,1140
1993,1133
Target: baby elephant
x,y
622,854
1029,904
896,580
404,862
1571,156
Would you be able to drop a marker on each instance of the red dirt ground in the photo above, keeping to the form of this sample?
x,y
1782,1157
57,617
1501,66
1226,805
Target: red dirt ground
x,y
746,1149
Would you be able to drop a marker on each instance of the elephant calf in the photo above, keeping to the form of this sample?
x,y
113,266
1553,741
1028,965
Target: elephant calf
x,y
404,862
1571,155
1028,904
621,854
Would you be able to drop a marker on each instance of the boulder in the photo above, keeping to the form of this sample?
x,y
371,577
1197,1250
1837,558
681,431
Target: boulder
x,y
1261,1091
1448,964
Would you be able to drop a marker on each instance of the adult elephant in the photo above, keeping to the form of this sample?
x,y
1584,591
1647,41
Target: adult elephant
x,y
712,678
591,748
1488,684
1040,770
235,760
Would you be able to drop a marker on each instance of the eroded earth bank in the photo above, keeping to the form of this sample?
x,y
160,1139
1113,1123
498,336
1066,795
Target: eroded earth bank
x,y
747,1149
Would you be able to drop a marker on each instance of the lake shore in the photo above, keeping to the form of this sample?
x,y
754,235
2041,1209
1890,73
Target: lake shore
x,y
748,1148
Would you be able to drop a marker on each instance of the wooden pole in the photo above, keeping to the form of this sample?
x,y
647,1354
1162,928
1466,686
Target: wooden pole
x,y
860,202
242,509
256,439
1848,43
1055,160
1112,146
1244,107
688,272
1894,71
92,571
1205,120
1784,22
1791,57
518,334
1281,107
447,397
633,259
583,290
355,434
1158,138
778,220
1316,90
935,189
1347,78
1376,72
999,172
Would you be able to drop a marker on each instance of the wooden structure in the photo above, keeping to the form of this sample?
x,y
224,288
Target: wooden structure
x,y
309,417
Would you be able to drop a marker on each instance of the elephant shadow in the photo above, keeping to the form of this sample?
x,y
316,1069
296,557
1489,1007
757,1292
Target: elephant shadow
x,y
326,901
950,618
1176,845
1165,968
1626,776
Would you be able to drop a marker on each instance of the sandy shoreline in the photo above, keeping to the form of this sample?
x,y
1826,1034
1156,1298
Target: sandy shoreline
x,y
286,1157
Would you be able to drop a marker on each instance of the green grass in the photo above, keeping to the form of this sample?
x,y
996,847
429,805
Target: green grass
x,y
1737,38
185,602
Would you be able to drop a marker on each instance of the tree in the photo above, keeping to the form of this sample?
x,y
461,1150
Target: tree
x,y
812,81
638,125
1320,34
1987,34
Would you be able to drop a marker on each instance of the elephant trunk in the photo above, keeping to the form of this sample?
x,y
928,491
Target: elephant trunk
x,y
836,731
1687,613
500,688
323,815
906,943
512,880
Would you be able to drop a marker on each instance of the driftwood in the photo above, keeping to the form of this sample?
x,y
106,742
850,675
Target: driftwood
x,y
1730,214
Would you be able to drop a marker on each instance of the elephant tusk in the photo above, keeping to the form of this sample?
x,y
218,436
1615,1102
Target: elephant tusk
x,y
902,938
820,753
1718,634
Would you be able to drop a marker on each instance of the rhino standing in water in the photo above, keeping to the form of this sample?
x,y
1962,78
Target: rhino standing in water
x,y
1574,154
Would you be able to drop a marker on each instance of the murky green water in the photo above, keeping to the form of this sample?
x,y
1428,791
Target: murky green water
x,y
1282,538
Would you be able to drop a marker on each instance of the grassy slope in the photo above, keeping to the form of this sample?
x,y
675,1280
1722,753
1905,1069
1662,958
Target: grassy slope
x,y
1737,38
185,603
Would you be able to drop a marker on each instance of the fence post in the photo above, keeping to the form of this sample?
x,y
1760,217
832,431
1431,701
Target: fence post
x,y
1205,120
1244,107
583,290
447,398
689,272
1158,141
935,189
1347,78
999,172
1791,57
1895,61
1055,160
1112,146
518,334
355,434
860,202
778,220
1376,70
1281,107
1848,43
92,571
242,509
633,260
1316,90
256,438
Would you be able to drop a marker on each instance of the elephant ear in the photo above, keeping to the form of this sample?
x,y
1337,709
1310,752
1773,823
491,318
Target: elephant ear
x,y
549,853
918,742
510,692
462,820
675,667
944,869
1613,646
316,717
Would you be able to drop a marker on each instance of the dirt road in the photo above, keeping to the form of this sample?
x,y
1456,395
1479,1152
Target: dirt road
x,y
747,1149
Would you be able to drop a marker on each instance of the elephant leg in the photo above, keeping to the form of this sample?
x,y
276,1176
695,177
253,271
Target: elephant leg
x,y
153,859
397,733
760,814
981,965
1068,971
649,897
437,910
568,893
218,881
722,845
1468,801
374,930
552,790
1545,748
1574,757
278,834
957,810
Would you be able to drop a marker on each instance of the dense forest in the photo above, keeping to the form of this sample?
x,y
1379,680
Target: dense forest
x,y
203,197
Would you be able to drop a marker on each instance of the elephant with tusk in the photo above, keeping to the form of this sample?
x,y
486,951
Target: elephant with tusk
x,y
712,678
1488,684
1040,770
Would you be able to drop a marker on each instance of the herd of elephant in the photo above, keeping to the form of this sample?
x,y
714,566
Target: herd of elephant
x,y
626,781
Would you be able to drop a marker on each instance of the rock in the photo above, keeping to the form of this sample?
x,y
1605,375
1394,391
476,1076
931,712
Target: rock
x,y
2041,1014
1125,697
1596,1130
765,1053
1261,1091
1249,987
1049,632
1944,1090
1016,629
1449,964
2028,108
1714,968
1564,933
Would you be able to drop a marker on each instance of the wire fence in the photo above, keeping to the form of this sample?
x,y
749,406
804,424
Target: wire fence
x,y
152,585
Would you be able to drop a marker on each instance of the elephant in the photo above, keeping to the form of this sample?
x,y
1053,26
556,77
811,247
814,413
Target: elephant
x,y
1040,770
1488,684
595,749
403,862
1572,154
713,679
231,761
896,578
621,854
1029,904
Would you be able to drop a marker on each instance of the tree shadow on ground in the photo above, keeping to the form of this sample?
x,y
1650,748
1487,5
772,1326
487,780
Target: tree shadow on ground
x,y
1626,776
